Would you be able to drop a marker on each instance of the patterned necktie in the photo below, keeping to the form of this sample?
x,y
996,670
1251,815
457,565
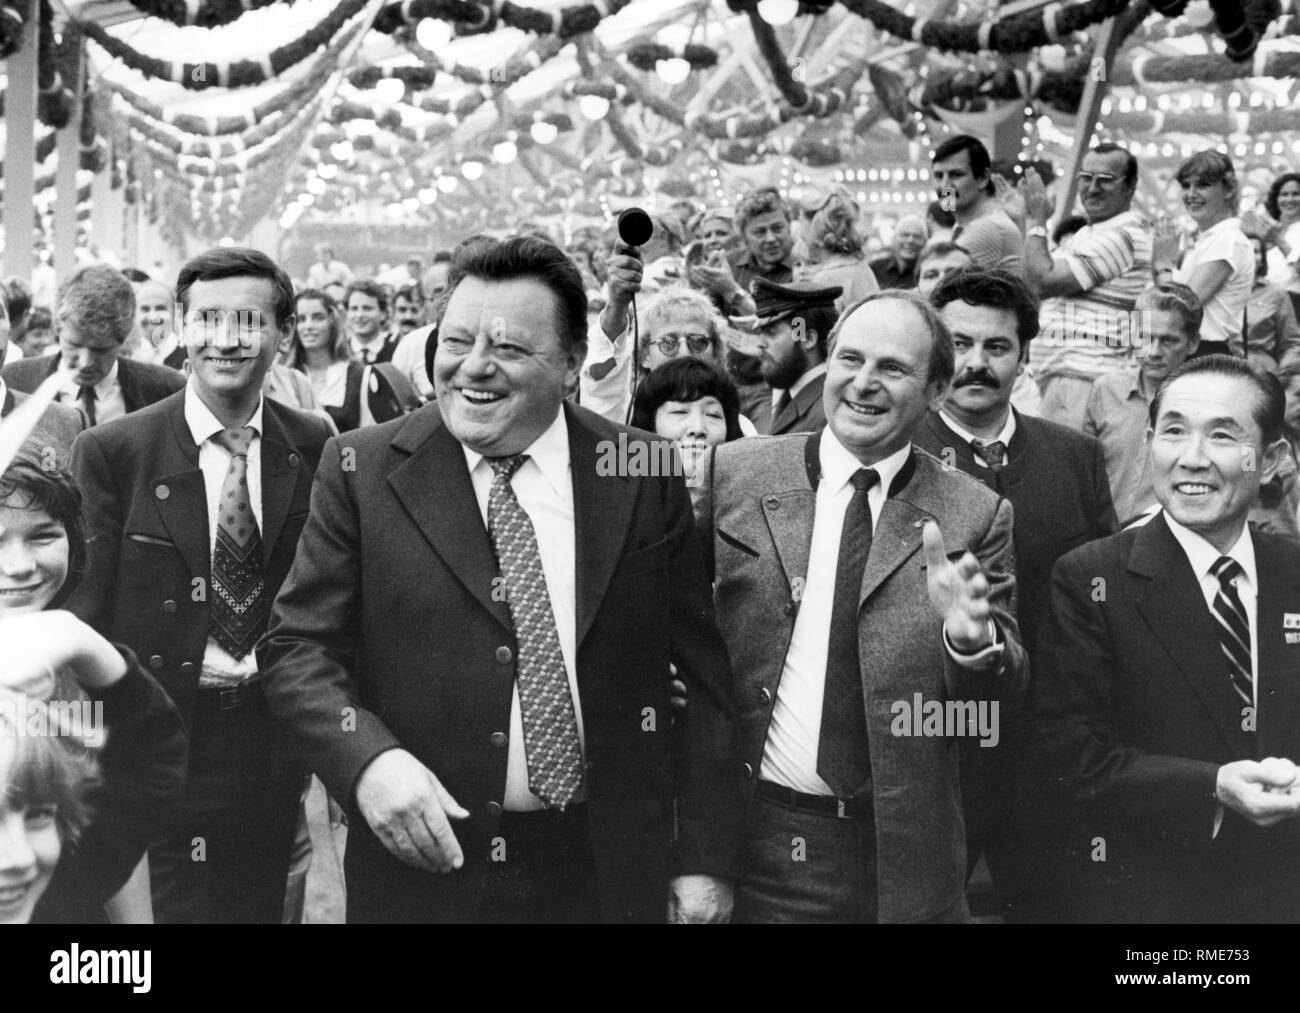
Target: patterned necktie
x,y
240,606
546,706
994,453
843,761
1233,628
86,398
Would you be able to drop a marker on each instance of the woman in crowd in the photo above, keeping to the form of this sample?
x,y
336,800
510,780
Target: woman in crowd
x,y
319,348
1220,266
49,796
831,250
1281,231
692,402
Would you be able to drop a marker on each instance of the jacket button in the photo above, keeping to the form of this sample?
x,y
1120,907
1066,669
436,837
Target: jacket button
x,y
169,606
498,739
162,492
764,695
504,655
494,808
749,771
771,502
156,661
187,668
293,460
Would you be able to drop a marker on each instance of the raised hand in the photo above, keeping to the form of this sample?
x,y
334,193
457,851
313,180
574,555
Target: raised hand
x,y
959,592
1033,195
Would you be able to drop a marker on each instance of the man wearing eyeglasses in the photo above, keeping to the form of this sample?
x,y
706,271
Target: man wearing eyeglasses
x,y
1090,284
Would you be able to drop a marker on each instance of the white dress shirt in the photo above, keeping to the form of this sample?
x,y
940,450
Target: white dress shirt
x,y
1202,555
109,403
1008,431
790,753
219,668
544,488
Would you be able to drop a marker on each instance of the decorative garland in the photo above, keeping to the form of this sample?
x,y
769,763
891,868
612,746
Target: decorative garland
x,y
415,78
240,74
206,14
1217,122
475,18
646,55
288,101
1240,28
55,64
1145,69
11,28
517,66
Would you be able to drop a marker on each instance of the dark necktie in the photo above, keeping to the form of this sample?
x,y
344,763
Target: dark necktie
x,y
994,453
240,606
86,398
842,758
1233,628
782,403
545,703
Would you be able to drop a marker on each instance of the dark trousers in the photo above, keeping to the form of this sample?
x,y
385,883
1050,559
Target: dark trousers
x,y
542,871
228,860
802,866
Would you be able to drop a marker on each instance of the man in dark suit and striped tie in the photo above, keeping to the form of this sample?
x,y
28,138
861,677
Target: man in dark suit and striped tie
x,y
1167,685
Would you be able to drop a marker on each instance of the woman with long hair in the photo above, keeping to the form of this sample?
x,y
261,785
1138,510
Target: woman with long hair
x,y
319,348
831,250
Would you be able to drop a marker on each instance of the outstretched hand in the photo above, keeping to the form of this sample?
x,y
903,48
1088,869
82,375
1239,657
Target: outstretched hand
x,y
959,592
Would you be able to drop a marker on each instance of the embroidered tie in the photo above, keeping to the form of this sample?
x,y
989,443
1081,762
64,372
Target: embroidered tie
x,y
843,761
86,398
1233,628
994,453
546,706
239,604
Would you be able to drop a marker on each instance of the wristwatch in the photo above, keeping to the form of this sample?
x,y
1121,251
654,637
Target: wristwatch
x,y
1036,231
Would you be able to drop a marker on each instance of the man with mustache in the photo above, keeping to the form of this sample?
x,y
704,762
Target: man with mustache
x,y
193,509
1056,482
1091,282
793,322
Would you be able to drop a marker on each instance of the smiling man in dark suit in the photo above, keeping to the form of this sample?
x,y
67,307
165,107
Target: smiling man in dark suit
x,y
194,506
1167,683
473,646
94,313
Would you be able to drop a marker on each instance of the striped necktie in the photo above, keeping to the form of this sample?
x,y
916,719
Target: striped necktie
x,y
1233,628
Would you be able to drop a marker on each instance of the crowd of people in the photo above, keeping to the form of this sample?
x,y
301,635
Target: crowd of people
x,y
978,542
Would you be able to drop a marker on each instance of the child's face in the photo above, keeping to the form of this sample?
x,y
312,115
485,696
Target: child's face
x,y
29,846
33,558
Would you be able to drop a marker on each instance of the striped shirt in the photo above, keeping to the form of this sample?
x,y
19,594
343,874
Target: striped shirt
x,y
992,239
1090,333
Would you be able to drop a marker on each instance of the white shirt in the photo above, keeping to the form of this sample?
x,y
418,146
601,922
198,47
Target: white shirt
x,y
11,353
408,358
334,391
1003,437
1225,311
219,668
366,351
544,488
109,403
800,384
1202,555
790,753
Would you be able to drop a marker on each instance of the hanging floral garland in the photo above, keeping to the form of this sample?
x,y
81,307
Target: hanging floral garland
x,y
646,55
1145,69
1216,122
241,73
56,64
476,18
1240,24
501,75
11,28
415,78
207,14
288,101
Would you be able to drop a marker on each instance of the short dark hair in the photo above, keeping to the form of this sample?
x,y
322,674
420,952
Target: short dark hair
x,y
991,286
1270,202
762,201
686,379
528,257
1270,405
820,320
980,162
237,262
370,287
411,293
28,485
943,364
1174,297
97,299
18,298
1130,160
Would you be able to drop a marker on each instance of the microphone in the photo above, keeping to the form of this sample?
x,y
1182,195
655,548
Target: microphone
x,y
635,227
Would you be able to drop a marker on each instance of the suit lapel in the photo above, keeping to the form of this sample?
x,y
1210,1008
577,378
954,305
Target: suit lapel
x,y
434,487
126,381
898,532
1279,681
1174,608
180,494
800,405
602,511
280,470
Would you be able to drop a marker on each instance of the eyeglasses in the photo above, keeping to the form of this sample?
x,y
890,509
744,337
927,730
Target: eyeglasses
x,y
697,344
1104,180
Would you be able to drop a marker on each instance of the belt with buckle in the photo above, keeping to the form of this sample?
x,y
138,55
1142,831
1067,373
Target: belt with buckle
x,y
823,805
229,698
